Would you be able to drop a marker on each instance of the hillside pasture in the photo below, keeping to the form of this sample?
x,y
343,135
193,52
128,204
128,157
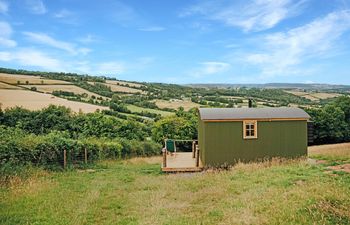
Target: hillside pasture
x,y
334,152
136,192
134,108
8,86
313,96
175,104
118,88
14,78
60,87
120,83
325,95
33,101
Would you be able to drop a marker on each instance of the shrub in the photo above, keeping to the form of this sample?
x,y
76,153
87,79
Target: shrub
x,y
19,148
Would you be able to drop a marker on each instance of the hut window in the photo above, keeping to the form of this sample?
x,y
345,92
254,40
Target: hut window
x,y
250,129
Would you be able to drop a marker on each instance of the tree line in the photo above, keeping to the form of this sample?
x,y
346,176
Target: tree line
x,y
332,121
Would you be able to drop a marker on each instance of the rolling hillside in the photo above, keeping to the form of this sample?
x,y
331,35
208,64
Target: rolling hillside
x,y
36,90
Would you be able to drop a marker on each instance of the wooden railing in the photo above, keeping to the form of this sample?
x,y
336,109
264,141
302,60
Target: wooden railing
x,y
195,155
164,151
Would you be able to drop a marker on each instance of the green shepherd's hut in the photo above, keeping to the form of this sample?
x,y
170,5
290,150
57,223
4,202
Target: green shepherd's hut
x,y
229,135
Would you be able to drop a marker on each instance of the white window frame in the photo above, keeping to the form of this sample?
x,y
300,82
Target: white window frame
x,y
255,129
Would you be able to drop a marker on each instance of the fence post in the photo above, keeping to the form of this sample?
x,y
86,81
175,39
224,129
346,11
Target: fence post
x,y
193,149
64,158
86,156
197,159
164,157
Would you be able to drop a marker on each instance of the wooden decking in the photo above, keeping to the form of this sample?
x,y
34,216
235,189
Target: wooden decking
x,y
181,162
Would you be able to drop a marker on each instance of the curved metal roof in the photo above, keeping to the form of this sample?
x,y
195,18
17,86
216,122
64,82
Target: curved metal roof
x,y
252,113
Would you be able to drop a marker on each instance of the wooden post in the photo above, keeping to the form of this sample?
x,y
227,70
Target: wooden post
x,y
164,157
64,158
85,156
193,149
197,159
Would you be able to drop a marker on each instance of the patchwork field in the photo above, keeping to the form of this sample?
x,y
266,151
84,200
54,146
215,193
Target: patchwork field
x,y
134,108
62,87
118,88
136,192
117,82
8,86
13,79
325,95
175,104
314,96
33,101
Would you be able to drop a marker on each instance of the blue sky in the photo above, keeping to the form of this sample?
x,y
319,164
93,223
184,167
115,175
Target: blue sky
x,y
181,41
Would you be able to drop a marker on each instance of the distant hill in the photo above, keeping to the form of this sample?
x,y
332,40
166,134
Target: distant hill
x,y
312,86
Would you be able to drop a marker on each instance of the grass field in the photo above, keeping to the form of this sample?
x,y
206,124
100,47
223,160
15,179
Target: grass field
x,y
117,82
14,78
186,104
118,88
325,95
8,86
33,101
334,152
61,87
134,108
136,192
314,96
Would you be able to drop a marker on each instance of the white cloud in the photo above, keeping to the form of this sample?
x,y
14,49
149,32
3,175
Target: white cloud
x,y
63,13
7,42
3,7
152,29
5,35
30,57
209,68
36,6
282,52
45,39
253,15
67,17
123,14
84,51
88,39
5,56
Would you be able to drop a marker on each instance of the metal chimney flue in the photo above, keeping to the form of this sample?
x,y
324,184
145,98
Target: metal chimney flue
x,y
250,103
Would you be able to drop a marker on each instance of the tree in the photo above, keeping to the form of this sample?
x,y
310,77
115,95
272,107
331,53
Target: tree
x,y
181,126
329,124
343,102
52,118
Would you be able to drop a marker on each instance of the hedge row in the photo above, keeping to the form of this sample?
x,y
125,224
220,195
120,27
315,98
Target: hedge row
x,y
20,148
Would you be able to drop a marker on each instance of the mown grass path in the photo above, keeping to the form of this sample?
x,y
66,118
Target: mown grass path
x,y
136,192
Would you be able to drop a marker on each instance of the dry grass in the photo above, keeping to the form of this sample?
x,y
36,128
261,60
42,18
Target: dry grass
x,y
14,78
34,101
134,108
336,151
297,93
175,104
70,88
8,86
136,192
118,88
303,94
145,160
116,82
314,96
325,95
